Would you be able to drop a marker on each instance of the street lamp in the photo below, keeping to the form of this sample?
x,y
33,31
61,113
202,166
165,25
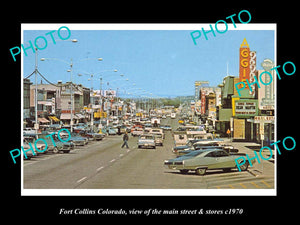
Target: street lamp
x,y
43,59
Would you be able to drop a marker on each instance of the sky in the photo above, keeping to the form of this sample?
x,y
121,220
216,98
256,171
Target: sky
x,y
155,63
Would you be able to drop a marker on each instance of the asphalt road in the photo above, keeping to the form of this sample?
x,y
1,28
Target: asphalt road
x,y
105,165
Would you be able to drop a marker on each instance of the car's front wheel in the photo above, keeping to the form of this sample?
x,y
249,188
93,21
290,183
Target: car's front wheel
x,y
201,171
244,167
55,150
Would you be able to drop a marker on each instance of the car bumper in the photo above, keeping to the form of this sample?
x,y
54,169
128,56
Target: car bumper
x,y
174,165
67,147
79,143
158,143
147,145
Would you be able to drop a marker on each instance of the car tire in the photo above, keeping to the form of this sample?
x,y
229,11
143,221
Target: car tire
x,y
244,167
66,151
55,150
200,171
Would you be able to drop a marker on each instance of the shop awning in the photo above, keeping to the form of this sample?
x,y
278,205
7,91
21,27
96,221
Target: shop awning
x,y
43,120
54,118
79,116
67,116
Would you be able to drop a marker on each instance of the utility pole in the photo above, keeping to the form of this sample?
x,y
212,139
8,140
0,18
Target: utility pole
x,y
36,126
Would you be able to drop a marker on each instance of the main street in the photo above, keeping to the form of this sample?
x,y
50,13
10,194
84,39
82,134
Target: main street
x,y
105,165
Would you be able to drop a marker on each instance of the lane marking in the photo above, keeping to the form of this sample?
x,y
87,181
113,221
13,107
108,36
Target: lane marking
x,y
100,168
264,182
242,185
121,155
82,179
112,160
254,184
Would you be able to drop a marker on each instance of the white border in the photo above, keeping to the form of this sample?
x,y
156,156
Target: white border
x,y
149,192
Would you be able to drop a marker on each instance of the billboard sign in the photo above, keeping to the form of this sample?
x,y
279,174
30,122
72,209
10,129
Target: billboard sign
x,y
244,62
203,102
252,71
246,108
266,93
110,93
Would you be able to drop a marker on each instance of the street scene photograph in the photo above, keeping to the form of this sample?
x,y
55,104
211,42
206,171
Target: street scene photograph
x,y
148,109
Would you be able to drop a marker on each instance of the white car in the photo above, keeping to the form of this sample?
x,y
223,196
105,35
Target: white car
x,y
28,130
157,131
146,141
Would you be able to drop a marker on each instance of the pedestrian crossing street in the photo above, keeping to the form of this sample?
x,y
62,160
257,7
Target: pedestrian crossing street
x,y
238,180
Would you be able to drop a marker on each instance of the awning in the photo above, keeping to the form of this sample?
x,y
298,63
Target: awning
x,y
79,116
67,116
43,120
54,118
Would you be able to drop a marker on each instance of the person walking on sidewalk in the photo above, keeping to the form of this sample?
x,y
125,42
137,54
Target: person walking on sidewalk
x,y
125,139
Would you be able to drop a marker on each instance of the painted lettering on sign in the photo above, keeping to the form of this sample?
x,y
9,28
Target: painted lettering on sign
x,y
244,62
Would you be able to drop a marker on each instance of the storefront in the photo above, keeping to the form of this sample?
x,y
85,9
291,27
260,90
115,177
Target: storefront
x,y
244,112
266,128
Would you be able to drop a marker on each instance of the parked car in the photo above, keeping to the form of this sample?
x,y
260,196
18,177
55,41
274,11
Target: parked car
x,y
189,150
77,129
31,138
228,149
146,141
29,154
78,140
57,146
28,130
195,144
202,160
111,130
91,135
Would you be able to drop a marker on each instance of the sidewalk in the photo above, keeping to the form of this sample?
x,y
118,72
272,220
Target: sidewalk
x,y
264,168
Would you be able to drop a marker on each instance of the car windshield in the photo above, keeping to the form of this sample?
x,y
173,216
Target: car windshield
x,y
146,137
155,130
